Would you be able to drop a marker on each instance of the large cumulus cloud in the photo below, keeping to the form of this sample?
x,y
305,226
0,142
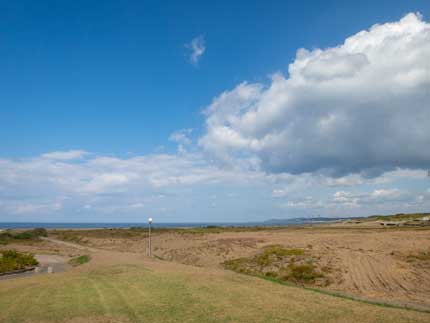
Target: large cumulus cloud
x,y
361,107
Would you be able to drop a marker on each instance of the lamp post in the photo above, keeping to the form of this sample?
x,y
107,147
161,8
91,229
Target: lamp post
x,y
149,236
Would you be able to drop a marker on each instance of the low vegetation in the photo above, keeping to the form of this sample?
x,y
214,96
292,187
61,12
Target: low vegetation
x,y
28,235
11,260
221,229
142,232
399,217
79,260
294,265
71,236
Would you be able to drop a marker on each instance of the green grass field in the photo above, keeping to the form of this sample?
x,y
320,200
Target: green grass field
x,y
133,293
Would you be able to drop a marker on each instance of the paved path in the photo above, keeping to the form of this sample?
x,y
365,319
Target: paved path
x,y
56,262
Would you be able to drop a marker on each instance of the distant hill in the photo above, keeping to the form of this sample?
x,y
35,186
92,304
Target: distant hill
x,y
398,216
306,220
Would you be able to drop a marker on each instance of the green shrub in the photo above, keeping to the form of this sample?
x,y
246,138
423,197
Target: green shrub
x,y
302,273
40,232
79,260
235,264
5,237
71,237
12,260
26,235
279,263
34,234
29,234
274,253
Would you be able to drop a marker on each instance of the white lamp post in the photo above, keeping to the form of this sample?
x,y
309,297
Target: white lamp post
x,y
149,240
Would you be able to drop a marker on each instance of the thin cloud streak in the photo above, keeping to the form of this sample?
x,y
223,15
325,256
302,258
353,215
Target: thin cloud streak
x,y
197,47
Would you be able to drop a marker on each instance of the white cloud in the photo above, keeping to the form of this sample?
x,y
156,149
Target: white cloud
x,y
389,200
182,138
279,192
190,184
307,202
389,194
35,208
197,47
361,107
65,155
137,205
378,196
108,181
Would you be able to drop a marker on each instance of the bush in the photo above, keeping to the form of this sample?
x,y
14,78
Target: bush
x,y
40,232
26,235
79,260
5,237
238,265
280,263
276,252
66,236
11,260
30,234
302,273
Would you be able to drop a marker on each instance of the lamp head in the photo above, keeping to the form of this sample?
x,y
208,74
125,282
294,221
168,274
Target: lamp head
x,y
150,220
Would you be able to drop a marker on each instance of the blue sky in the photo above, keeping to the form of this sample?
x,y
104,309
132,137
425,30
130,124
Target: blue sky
x,y
115,78
112,89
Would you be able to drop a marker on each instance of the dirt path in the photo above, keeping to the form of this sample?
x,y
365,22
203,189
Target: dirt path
x,y
102,257
70,244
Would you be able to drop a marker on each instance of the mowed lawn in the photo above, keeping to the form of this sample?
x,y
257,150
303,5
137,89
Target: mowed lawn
x,y
133,293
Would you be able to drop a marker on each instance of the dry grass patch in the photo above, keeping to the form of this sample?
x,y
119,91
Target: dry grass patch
x,y
421,255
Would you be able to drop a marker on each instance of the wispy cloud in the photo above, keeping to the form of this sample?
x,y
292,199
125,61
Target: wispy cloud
x,y
182,138
197,47
65,155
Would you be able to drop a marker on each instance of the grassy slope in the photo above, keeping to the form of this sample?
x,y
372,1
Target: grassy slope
x,y
131,293
399,217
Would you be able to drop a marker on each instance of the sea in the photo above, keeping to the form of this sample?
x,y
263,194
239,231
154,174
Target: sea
x,y
84,225
28,225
